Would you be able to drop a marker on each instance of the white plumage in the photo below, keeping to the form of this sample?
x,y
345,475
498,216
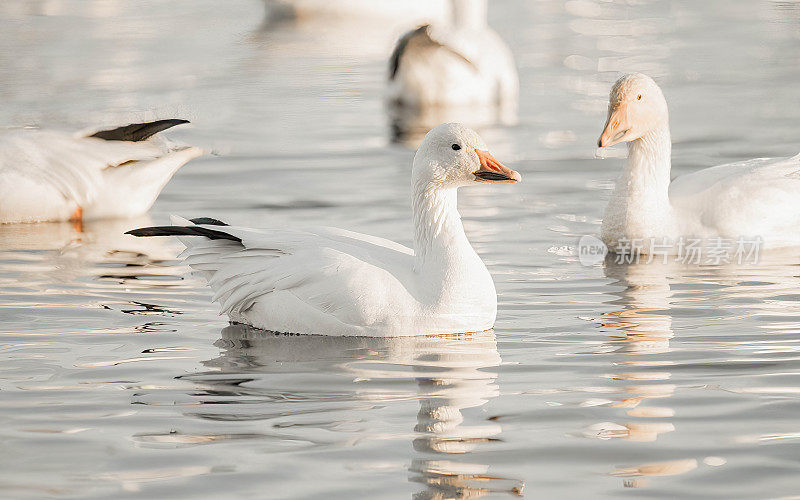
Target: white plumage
x,y
323,281
744,201
331,281
48,175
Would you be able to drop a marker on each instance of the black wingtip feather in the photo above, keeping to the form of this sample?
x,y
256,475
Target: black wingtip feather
x,y
208,221
183,231
137,131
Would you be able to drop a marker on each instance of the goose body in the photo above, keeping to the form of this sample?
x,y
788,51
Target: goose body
x,y
50,175
330,281
744,201
460,64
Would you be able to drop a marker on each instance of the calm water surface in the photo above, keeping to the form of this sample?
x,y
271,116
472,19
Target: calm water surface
x,y
644,380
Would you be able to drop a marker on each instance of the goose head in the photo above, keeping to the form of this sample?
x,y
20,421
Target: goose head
x,y
635,107
452,156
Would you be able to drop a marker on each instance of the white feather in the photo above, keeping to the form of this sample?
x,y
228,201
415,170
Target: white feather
x,y
46,175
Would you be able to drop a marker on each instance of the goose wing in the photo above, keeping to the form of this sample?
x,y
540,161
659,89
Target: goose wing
x,y
340,273
758,196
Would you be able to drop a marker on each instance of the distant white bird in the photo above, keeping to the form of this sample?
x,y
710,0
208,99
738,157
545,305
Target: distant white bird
x,y
54,176
757,198
329,281
464,63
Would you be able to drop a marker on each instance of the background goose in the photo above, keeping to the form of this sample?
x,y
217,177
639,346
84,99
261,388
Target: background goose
x,y
54,176
330,281
459,64
745,200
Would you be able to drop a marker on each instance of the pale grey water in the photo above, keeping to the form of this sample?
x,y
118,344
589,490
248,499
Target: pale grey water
x,y
119,379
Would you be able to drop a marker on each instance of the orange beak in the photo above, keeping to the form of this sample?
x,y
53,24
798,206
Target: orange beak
x,y
617,127
493,171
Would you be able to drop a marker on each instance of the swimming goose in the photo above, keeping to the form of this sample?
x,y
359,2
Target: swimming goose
x,y
330,281
463,64
54,176
757,198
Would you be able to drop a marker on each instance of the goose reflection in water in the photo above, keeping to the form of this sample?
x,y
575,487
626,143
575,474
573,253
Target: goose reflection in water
x,y
449,374
408,125
644,330
43,254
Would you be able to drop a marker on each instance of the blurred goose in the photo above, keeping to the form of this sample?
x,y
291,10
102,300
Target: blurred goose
x,y
749,199
54,176
330,281
466,63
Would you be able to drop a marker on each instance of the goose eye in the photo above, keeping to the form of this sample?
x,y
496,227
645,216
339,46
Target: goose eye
x,y
639,97
455,147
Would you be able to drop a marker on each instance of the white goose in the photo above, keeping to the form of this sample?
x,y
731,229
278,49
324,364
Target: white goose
x,y
744,200
329,281
54,176
466,63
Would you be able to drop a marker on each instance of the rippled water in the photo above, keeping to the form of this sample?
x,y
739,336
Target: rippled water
x,y
648,380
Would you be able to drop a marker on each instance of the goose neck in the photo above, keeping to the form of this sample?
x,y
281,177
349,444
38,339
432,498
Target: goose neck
x,y
438,233
647,171
469,14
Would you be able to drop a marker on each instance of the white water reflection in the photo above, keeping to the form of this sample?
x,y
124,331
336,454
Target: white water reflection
x,y
642,359
408,125
61,252
450,376
644,324
94,238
